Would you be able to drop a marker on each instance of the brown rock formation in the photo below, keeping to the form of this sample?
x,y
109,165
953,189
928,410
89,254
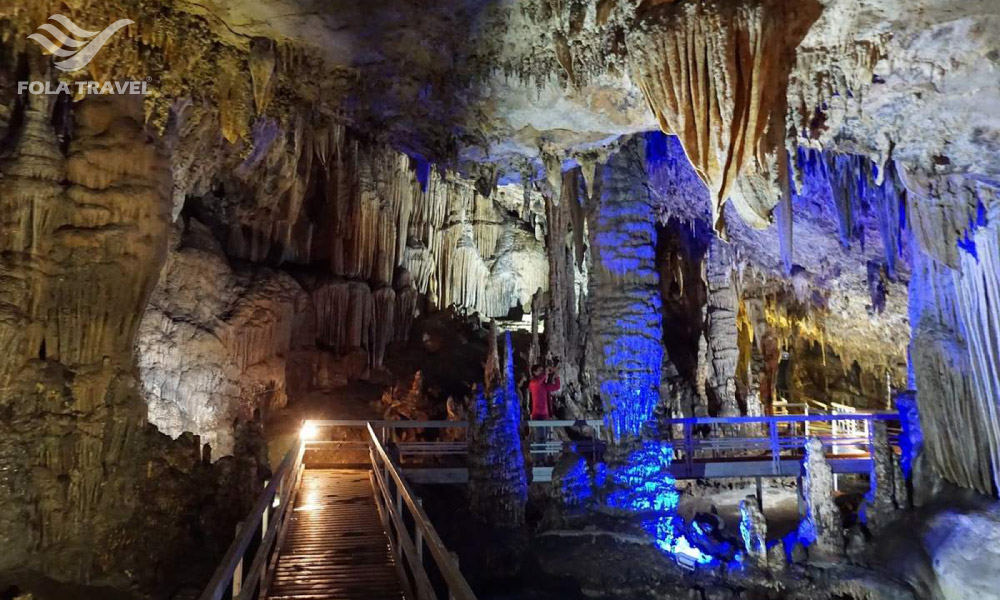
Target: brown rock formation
x,y
90,235
715,75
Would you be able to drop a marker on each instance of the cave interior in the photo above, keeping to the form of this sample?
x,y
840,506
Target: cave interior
x,y
689,299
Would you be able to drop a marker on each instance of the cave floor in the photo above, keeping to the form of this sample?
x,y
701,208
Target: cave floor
x,y
12,585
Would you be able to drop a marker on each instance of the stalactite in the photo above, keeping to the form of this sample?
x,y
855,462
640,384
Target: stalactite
x,y
262,62
715,74
360,312
841,173
383,323
331,302
785,243
406,304
535,350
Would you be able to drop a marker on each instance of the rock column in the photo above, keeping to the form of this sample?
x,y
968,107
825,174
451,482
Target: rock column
x,y
85,236
821,528
626,351
498,487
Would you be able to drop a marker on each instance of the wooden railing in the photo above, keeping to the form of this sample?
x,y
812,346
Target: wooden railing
x,y
261,533
396,502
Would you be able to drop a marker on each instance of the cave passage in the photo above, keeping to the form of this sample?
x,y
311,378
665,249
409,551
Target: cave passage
x,y
520,299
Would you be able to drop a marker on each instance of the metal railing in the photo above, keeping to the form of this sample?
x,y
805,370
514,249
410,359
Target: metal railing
x,y
396,501
261,533
698,438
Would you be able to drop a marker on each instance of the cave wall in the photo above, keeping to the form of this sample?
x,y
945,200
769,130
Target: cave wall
x,y
84,236
951,354
317,252
85,196
214,342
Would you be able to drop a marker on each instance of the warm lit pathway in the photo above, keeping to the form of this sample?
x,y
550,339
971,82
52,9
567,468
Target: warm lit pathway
x,y
336,547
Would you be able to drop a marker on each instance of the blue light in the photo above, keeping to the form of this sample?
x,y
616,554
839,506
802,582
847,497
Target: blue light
x,y
643,484
911,442
497,413
575,485
423,171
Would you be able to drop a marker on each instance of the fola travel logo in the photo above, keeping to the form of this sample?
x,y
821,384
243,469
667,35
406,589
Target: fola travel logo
x,y
76,47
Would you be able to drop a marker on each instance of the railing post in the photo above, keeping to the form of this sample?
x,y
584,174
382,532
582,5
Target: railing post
x,y
772,430
419,536
689,446
870,434
238,571
454,559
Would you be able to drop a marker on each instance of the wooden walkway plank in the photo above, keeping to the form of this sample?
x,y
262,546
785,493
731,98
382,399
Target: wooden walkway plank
x,y
336,548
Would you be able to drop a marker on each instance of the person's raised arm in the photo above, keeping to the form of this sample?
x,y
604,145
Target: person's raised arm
x,y
553,384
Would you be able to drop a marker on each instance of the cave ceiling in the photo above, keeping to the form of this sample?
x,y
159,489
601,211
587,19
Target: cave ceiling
x,y
916,78
494,81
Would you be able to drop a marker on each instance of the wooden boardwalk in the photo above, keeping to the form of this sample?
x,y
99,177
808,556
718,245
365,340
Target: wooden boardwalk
x,y
336,547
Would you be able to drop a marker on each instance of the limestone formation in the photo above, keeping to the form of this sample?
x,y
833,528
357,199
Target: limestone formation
x,y
714,74
498,487
821,528
947,318
881,498
213,343
88,231
303,184
721,330
625,352
753,530
570,265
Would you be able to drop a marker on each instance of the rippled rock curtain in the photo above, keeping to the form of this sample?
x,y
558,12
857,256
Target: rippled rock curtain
x,y
978,288
715,74
954,326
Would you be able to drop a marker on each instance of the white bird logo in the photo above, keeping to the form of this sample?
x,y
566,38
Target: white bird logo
x,y
80,46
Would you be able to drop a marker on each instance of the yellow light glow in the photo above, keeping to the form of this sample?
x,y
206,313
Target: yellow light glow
x,y
309,431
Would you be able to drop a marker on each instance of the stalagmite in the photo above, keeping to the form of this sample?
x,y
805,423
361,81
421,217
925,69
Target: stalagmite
x,y
498,487
880,504
721,329
821,528
753,531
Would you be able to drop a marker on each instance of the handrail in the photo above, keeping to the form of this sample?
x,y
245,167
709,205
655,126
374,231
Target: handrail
x,y
402,424
270,518
385,468
777,435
